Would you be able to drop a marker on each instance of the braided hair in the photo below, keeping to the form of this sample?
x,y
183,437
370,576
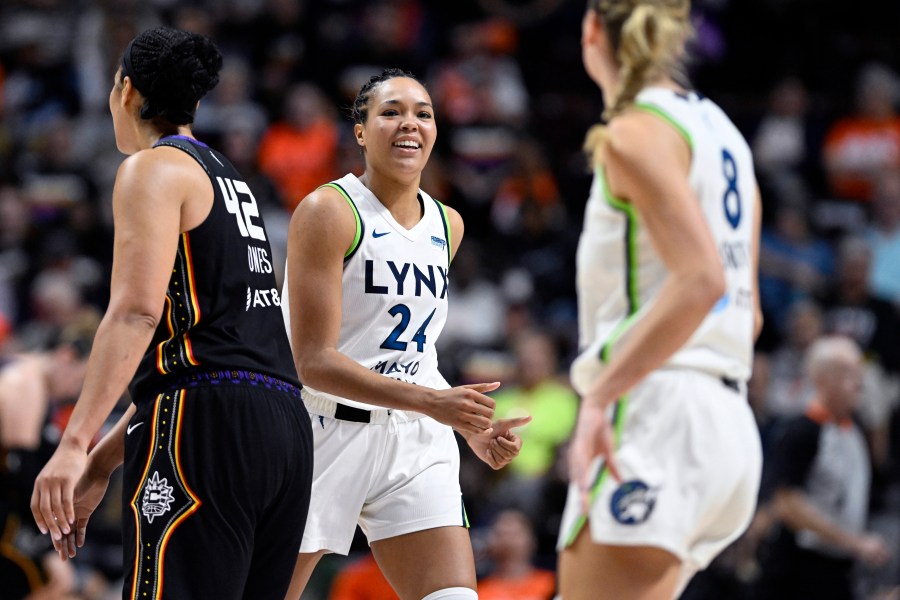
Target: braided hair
x,y
360,110
172,69
648,38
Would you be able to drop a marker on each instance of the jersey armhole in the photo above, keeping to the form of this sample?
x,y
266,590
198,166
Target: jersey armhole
x,y
360,226
447,233
668,118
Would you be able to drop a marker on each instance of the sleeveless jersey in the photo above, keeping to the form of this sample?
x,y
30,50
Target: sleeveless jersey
x,y
620,273
394,291
221,306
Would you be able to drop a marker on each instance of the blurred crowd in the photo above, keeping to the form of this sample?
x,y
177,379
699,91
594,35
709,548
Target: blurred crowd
x,y
819,106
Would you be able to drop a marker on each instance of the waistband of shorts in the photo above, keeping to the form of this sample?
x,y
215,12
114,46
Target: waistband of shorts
x,y
732,384
738,386
231,377
318,404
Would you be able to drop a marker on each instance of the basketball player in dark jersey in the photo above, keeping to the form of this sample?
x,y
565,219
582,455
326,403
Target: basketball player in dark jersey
x,y
217,446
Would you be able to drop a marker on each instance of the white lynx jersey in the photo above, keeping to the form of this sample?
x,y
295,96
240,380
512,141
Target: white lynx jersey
x,y
620,273
395,289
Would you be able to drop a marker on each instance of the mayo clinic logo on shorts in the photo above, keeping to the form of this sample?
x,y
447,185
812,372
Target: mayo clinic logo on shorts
x,y
633,502
157,497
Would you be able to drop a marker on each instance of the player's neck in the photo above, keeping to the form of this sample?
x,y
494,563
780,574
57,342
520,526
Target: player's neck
x,y
400,197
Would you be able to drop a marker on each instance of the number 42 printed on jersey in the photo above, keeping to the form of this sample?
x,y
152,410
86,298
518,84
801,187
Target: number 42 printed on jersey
x,y
243,211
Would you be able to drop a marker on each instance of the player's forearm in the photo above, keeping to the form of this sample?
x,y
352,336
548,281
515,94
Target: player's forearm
x,y
795,511
118,347
109,452
682,305
335,373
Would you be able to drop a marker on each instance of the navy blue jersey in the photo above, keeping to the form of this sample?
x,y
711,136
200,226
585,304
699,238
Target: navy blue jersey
x,y
222,308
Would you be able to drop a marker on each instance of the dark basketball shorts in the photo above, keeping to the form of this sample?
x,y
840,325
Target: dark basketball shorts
x,y
216,489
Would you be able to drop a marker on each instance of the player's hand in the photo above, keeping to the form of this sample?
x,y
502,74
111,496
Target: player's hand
x,y
89,491
464,408
593,437
52,499
872,550
499,445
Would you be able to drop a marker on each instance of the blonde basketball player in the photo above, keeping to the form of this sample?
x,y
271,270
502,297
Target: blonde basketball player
x,y
365,300
665,460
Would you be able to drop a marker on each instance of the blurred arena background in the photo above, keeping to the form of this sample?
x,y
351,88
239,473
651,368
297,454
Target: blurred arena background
x,y
813,84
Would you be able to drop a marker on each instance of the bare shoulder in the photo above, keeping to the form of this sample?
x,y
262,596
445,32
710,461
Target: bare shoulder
x,y
455,220
164,171
643,148
323,206
325,217
457,228
635,136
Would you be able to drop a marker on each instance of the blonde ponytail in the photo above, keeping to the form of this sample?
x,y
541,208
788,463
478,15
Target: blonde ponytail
x,y
648,37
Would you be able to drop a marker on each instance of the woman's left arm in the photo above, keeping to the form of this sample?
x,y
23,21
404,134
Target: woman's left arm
x,y
147,204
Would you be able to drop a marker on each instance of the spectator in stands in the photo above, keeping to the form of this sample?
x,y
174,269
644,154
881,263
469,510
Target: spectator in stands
x,y
538,392
793,262
789,390
884,238
510,548
786,143
300,151
231,103
850,309
859,147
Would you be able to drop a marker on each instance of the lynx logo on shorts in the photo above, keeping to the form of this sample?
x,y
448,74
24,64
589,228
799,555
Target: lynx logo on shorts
x,y
633,502
157,497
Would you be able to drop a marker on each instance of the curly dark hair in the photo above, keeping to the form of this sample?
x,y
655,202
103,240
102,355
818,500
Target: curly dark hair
x,y
172,69
360,110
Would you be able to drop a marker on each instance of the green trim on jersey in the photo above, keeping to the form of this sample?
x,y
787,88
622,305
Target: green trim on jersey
x,y
618,422
631,257
631,286
359,228
447,232
653,109
465,517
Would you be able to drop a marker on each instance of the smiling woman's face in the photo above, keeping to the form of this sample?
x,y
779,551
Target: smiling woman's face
x,y
400,130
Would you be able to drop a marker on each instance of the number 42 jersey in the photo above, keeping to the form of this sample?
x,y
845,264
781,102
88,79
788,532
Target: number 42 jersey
x,y
394,290
620,273
222,302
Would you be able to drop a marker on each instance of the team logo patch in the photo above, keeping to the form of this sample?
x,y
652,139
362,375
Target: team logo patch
x,y
633,502
157,498
436,241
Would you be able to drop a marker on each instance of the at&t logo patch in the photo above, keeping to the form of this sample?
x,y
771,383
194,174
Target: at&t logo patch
x,y
157,497
633,502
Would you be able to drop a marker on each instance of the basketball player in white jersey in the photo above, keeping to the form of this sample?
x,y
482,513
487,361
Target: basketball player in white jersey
x,y
665,459
365,299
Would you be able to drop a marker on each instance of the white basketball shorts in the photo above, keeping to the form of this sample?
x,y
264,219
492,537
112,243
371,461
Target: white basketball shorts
x,y
690,458
396,475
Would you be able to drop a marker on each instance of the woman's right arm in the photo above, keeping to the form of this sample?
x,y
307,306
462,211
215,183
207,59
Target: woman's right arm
x,y
322,229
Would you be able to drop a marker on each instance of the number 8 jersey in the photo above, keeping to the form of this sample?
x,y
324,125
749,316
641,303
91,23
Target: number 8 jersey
x,y
394,290
620,273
